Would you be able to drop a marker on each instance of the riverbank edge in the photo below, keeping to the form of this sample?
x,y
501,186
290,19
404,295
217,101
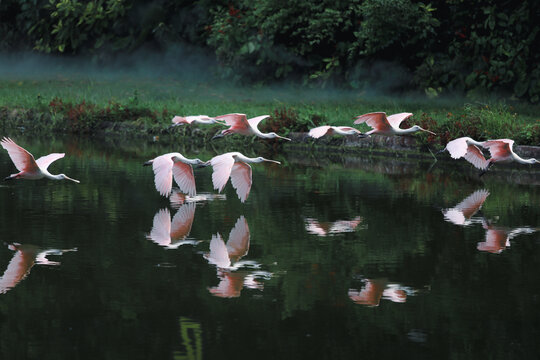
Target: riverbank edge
x,y
31,121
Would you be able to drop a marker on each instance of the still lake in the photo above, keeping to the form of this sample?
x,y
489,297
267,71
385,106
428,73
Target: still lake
x,y
334,258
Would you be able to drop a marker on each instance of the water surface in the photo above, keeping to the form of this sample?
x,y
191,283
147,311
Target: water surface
x,y
329,258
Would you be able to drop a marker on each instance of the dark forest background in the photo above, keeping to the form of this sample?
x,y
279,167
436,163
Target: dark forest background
x,y
441,47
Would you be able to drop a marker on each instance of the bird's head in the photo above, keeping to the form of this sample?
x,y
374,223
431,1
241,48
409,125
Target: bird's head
x,y
200,163
273,135
261,159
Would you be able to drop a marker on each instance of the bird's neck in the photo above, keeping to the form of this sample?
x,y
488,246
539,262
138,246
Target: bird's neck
x,y
406,131
524,161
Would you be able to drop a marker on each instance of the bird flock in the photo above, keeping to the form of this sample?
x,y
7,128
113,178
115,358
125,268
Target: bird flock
x,y
235,165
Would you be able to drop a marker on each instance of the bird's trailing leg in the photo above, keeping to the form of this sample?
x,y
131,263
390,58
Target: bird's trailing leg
x,y
218,135
8,178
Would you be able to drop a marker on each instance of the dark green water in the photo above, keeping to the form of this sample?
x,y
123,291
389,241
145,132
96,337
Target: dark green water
x,y
347,259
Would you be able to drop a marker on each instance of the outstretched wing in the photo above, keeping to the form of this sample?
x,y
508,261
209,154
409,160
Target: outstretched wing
x,y
23,160
457,147
475,156
222,165
319,131
236,120
162,166
183,175
44,161
376,120
254,122
500,148
396,119
238,243
241,179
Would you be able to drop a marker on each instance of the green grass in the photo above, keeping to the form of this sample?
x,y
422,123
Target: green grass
x,y
151,103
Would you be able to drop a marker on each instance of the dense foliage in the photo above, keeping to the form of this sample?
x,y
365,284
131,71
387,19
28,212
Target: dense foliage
x,y
438,47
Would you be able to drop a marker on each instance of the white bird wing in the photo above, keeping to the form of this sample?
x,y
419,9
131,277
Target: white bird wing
x,y
376,120
396,119
218,255
254,122
183,175
222,165
319,131
241,179
182,222
457,147
162,166
23,160
238,243
161,229
475,156
44,161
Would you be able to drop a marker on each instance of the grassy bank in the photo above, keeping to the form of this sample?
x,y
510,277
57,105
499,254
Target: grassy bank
x,y
124,105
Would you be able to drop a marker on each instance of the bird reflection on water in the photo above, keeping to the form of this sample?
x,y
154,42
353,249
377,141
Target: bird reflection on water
x,y
25,257
226,258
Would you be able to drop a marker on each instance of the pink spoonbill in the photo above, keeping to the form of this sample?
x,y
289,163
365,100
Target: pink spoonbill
x,y
383,125
196,119
331,130
236,166
239,124
174,165
467,148
501,152
28,167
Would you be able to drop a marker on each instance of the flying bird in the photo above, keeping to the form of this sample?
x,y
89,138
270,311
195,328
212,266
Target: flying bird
x,y
501,152
198,119
234,165
383,125
174,165
28,167
239,124
172,234
331,130
462,213
467,148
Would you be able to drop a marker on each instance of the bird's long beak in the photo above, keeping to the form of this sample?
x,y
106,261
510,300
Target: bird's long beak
x,y
431,132
274,161
284,138
68,178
